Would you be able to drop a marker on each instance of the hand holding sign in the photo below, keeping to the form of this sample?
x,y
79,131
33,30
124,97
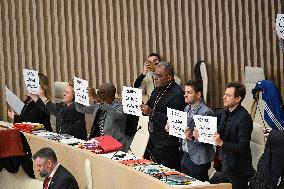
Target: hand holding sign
x,y
81,91
206,126
13,101
131,100
31,80
177,121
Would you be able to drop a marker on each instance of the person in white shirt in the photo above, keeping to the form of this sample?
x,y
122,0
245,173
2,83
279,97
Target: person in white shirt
x,y
145,81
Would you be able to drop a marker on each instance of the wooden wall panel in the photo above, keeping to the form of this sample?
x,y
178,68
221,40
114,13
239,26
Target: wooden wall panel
x,y
108,40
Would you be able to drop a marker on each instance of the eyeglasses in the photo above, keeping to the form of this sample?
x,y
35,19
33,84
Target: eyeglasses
x,y
159,76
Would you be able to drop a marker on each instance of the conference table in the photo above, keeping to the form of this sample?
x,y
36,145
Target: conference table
x,y
105,172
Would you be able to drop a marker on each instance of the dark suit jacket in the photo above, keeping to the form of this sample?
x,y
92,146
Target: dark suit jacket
x,y
172,98
235,129
63,179
68,120
34,112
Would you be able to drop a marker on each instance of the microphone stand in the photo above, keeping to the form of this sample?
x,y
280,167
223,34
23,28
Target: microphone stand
x,y
139,127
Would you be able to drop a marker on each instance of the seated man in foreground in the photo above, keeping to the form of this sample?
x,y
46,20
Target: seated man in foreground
x,y
56,176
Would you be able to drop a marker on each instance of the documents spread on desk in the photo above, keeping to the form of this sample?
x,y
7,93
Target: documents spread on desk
x,y
164,174
13,101
132,100
207,126
177,121
31,80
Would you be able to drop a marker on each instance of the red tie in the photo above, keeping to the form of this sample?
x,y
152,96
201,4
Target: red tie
x,y
45,183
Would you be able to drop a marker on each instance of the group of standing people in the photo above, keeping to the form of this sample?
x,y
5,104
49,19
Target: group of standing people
x,y
192,157
188,155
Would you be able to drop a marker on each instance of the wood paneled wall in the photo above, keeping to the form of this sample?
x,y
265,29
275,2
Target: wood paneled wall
x,y
108,40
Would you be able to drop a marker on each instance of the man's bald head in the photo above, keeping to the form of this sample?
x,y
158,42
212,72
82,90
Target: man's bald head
x,y
106,90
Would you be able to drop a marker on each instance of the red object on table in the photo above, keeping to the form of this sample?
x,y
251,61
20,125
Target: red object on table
x,y
23,127
10,143
107,143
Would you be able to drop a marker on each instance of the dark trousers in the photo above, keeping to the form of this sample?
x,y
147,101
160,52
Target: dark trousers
x,y
199,172
239,182
167,156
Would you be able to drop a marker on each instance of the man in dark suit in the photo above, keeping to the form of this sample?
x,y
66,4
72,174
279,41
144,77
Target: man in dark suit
x,y
56,176
233,136
162,147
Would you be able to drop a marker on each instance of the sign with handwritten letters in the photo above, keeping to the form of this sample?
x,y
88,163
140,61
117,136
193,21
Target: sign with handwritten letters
x,y
280,25
177,121
132,100
207,126
31,81
81,91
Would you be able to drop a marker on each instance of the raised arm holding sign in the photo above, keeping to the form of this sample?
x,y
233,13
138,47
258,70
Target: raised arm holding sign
x,y
31,81
81,91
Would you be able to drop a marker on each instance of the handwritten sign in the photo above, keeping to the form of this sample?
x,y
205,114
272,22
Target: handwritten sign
x,y
207,126
31,81
177,121
81,91
13,101
280,25
131,100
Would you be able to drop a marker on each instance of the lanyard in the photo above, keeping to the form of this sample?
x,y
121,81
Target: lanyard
x,y
159,96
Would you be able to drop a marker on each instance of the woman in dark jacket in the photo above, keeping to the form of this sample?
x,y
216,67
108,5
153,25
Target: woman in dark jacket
x,y
34,110
68,120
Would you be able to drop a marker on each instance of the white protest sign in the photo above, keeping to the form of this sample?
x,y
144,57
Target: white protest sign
x,y
207,126
13,101
177,121
81,91
132,100
280,25
31,81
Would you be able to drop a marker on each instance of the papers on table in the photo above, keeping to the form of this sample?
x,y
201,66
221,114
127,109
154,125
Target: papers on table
x,y
31,80
280,25
131,100
177,121
207,126
81,91
13,101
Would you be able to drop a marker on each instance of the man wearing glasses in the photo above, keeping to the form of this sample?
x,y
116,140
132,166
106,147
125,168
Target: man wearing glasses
x,y
162,147
145,80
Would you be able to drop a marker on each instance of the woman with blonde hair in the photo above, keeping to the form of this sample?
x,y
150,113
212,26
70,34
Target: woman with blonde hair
x,y
68,120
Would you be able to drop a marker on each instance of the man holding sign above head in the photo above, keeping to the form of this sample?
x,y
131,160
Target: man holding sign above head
x,y
197,156
162,147
234,135
109,118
